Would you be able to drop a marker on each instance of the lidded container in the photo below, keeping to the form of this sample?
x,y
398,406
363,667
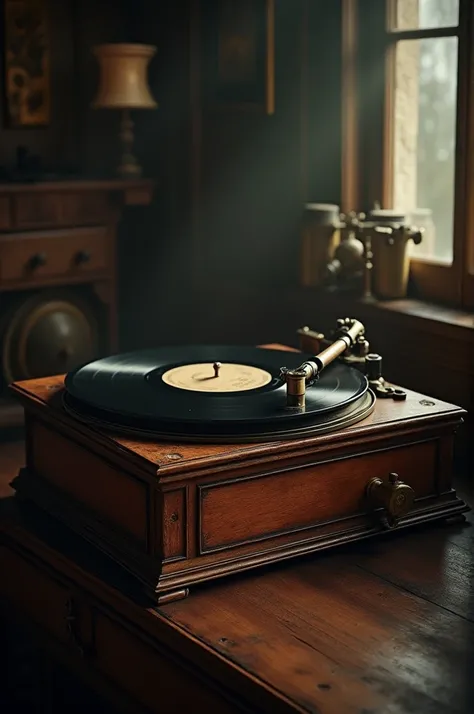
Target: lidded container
x,y
320,238
390,235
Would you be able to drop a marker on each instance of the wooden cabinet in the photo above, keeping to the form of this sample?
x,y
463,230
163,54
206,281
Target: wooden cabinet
x,y
67,255
58,267
178,515
129,663
326,634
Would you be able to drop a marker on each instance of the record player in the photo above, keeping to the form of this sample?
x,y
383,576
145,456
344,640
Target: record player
x,y
188,464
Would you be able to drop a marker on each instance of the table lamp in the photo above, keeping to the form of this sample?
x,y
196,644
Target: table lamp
x,y
124,85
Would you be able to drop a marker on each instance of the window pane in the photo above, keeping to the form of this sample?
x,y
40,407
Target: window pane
x,y
426,14
425,139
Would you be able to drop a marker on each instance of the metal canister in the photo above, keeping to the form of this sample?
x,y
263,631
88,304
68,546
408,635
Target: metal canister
x,y
391,260
320,238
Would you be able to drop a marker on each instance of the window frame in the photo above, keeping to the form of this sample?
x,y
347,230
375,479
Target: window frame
x,y
433,281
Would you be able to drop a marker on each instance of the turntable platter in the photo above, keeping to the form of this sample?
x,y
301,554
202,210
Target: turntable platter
x,y
207,390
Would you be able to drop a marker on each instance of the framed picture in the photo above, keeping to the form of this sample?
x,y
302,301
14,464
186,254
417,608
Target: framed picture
x,y
26,63
239,53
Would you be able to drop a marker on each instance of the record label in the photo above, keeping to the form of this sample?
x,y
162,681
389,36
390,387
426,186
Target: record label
x,y
216,377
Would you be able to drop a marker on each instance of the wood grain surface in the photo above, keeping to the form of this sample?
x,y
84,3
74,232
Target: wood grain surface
x,y
385,627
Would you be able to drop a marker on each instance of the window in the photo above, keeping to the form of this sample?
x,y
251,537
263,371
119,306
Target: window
x,y
424,129
420,152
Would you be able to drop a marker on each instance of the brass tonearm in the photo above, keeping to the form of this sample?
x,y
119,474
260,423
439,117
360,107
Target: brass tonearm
x,y
358,355
349,332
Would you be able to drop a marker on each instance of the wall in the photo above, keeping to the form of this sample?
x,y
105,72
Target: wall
x,y
56,143
257,171
155,266
213,257
96,22
70,141
218,250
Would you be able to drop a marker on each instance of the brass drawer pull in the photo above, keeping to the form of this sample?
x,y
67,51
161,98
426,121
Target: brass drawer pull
x,y
394,497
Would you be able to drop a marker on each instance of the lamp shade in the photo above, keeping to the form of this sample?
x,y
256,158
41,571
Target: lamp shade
x,y
123,76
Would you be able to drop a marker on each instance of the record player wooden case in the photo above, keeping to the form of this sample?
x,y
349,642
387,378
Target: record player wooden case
x,y
177,514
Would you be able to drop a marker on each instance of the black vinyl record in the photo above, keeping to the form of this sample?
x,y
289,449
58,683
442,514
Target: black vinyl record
x,y
176,391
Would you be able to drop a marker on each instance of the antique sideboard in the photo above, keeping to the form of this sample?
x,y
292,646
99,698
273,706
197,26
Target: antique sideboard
x,y
58,275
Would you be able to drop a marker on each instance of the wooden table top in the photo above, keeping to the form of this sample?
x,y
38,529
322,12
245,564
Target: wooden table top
x,y
382,627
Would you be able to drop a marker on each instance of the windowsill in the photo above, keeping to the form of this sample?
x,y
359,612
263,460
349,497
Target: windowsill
x,y
443,262
426,311
438,319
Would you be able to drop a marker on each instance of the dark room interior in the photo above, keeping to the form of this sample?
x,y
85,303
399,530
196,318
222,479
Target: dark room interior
x,y
236,356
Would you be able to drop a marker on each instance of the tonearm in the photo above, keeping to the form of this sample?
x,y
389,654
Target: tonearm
x,y
349,333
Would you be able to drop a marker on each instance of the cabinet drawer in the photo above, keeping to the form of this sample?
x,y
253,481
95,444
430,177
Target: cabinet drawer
x,y
127,659
237,512
42,209
28,258
42,599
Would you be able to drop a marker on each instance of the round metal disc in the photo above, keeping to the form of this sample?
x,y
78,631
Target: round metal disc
x,y
130,390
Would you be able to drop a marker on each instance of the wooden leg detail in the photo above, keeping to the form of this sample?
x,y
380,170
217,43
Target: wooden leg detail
x,y
173,596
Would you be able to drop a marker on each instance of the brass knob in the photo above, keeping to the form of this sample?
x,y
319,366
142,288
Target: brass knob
x,y
37,260
394,497
83,257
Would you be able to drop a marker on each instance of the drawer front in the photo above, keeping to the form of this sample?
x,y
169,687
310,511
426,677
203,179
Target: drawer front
x,y
128,660
42,209
5,215
31,257
237,512
83,209
43,599
36,210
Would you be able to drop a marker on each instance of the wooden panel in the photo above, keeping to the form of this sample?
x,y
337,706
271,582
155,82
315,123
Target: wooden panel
x,y
34,210
117,496
236,512
148,676
37,595
82,209
5,213
38,210
31,257
174,524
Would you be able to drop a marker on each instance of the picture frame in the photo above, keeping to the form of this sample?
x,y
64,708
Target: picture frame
x,y
27,64
239,54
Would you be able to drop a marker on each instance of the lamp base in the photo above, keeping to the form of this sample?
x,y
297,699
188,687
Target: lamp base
x,y
129,170
129,166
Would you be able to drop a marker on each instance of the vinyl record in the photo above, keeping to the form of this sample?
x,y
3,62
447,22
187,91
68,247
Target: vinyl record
x,y
207,391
